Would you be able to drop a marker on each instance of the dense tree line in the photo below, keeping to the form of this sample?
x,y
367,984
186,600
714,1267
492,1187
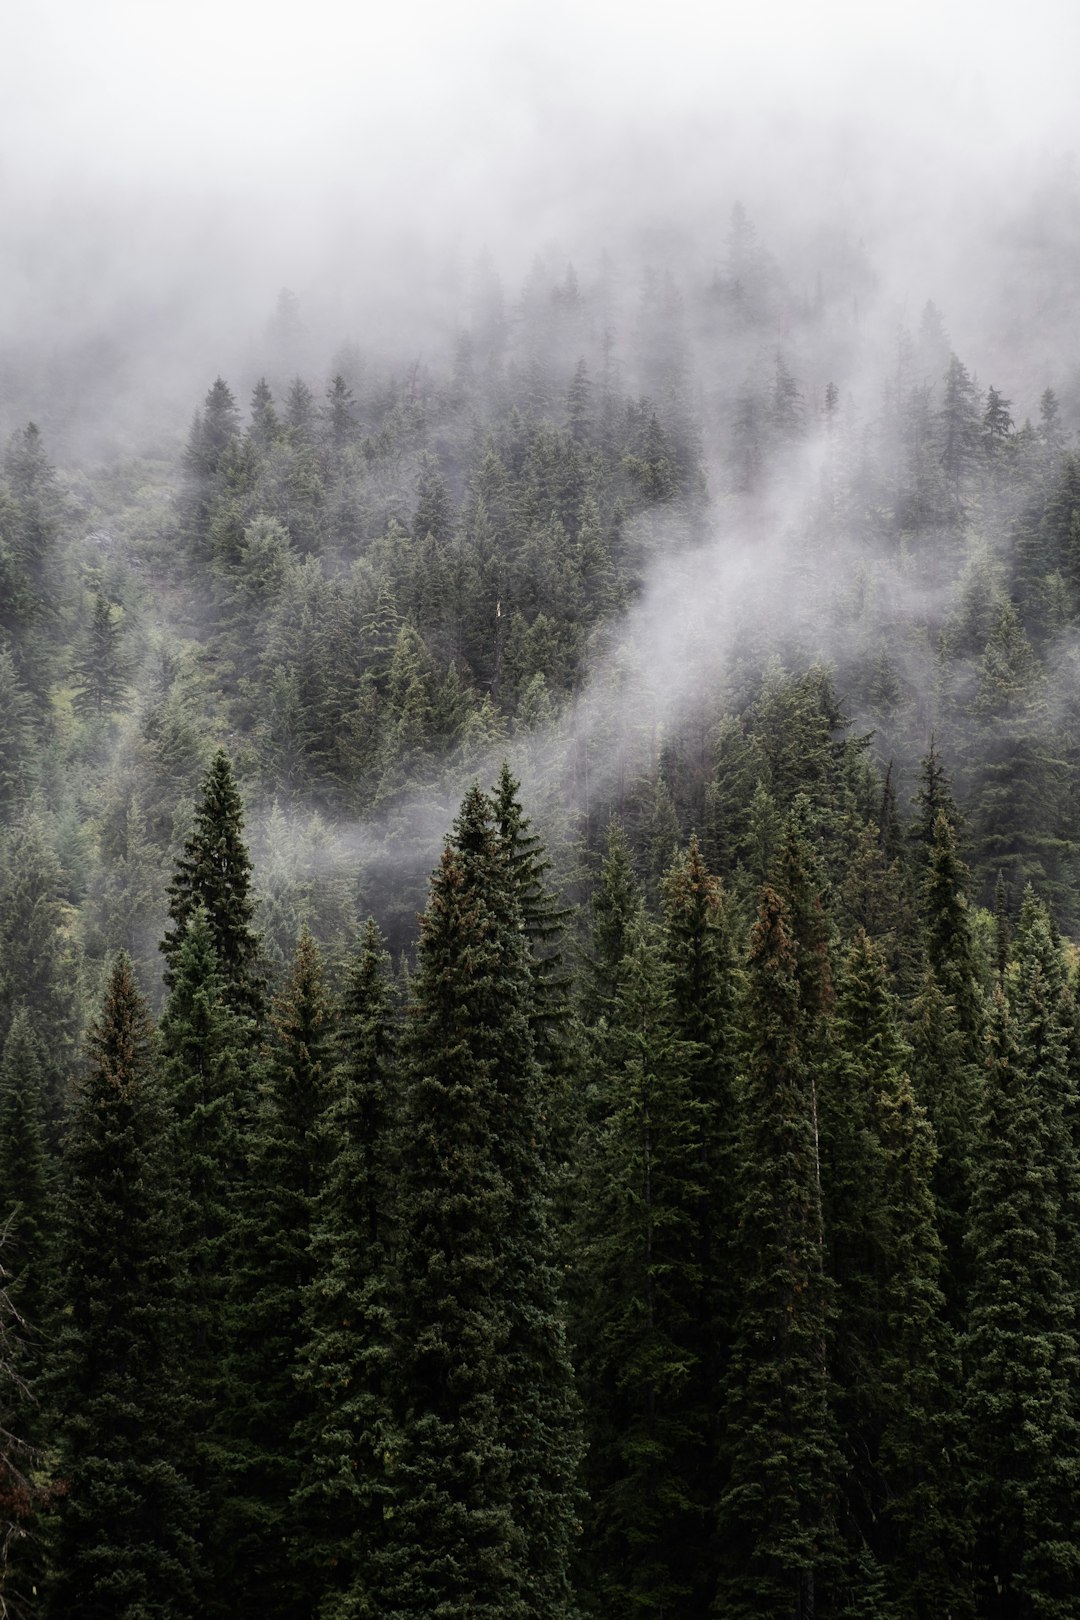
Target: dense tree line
x,y
679,1219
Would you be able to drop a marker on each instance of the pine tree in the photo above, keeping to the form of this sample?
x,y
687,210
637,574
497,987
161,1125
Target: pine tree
x,y
289,1160
864,1058
646,1532
543,918
484,1495
1020,1351
27,1306
699,952
124,1543
616,903
215,872
38,958
959,424
923,1533
100,672
778,1537
201,1044
346,1363
26,1212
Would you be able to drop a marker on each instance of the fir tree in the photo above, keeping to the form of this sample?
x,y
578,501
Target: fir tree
x,y
616,903
289,1158
27,1307
1020,1350
201,1044
778,1537
215,872
346,1362
923,1535
699,953
26,1212
484,1499
100,673
124,1543
646,1532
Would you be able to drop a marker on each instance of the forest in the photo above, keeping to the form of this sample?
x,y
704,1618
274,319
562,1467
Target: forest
x,y
539,974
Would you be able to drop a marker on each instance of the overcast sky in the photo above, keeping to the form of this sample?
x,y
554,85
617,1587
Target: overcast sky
x,y
455,106
257,143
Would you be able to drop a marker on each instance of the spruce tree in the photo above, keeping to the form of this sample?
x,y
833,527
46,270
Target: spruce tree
x,y
27,1308
1020,1350
865,1058
779,1545
616,903
215,872
699,953
346,1363
124,1544
26,1200
922,1537
484,1504
947,1030
647,1405
201,1044
100,672
289,1154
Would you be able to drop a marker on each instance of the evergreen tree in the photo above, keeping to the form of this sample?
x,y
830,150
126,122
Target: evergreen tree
x,y
27,1307
484,1496
616,903
16,736
215,872
699,952
959,425
923,1535
26,1212
347,1360
1020,1350
100,672
38,959
778,1538
289,1160
646,1531
201,1044
124,1543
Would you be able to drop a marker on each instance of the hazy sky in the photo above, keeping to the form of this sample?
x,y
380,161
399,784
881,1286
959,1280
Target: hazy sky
x,y
455,107
203,155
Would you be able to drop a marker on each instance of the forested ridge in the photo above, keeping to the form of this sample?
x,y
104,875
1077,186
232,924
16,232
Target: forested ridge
x,y
539,1032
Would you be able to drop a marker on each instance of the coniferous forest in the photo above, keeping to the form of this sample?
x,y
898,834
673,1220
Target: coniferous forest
x,y
539,990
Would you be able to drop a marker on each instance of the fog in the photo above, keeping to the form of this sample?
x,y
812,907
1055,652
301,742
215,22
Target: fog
x,y
163,173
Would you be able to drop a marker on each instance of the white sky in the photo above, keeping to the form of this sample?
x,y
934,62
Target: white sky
x,y
230,94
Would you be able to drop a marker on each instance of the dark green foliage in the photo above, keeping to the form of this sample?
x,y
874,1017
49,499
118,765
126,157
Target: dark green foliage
x,y
1020,1350
347,1362
647,1532
124,1548
26,1208
616,903
28,1303
484,1500
214,872
372,590
38,964
779,1546
204,1070
100,672
923,1537
289,1152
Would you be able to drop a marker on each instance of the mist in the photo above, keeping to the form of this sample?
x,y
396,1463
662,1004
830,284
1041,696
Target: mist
x,y
162,179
